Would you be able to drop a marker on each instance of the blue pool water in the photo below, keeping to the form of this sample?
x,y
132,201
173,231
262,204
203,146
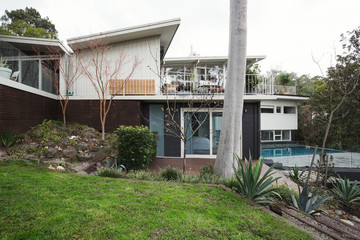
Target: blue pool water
x,y
270,152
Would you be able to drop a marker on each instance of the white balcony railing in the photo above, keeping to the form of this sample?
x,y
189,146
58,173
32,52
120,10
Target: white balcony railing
x,y
180,83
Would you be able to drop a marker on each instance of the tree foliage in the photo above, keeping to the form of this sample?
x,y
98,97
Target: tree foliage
x,y
27,23
335,101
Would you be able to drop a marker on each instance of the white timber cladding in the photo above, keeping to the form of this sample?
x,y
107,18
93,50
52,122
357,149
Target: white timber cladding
x,y
279,120
147,51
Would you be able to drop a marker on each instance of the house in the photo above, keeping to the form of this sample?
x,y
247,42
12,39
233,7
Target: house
x,y
28,96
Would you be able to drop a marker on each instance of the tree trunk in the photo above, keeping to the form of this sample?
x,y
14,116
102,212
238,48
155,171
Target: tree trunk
x,y
231,130
324,144
184,159
64,119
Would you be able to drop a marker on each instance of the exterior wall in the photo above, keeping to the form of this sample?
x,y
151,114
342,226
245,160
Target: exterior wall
x,y
20,110
251,130
251,133
279,121
145,49
121,113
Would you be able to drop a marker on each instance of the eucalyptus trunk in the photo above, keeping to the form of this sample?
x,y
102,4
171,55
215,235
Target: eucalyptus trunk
x,y
231,129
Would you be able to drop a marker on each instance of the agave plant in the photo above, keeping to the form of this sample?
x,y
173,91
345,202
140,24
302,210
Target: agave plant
x,y
250,182
8,138
296,175
306,204
347,192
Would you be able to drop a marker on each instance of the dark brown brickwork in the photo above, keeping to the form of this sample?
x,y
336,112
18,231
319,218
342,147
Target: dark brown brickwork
x,y
20,110
193,165
121,113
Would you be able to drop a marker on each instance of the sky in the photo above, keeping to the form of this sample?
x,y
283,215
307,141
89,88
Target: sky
x,y
290,33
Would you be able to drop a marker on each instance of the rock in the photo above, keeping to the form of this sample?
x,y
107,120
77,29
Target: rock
x,y
56,161
3,153
33,145
69,152
356,219
51,152
338,212
84,156
347,222
91,168
89,133
60,168
31,157
94,149
81,172
81,146
51,167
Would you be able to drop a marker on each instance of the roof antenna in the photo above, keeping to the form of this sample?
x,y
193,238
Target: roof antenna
x,y
193,53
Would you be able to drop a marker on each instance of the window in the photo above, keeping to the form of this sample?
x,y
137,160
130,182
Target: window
x,y
278,109
286,135
289,110
267,109
267,135
198,125
205,140
275,135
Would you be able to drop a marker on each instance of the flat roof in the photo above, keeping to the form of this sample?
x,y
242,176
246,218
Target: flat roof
x,y
209,59
28,43
165,29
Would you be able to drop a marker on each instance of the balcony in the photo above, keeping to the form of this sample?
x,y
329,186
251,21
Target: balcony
x,y
189,84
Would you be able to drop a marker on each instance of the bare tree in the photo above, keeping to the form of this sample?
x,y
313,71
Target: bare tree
x,y
100,68
198,108
231,130
60,69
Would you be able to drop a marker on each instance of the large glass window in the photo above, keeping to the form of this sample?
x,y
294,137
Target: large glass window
x,y
216,129
197,125
50,78
30,73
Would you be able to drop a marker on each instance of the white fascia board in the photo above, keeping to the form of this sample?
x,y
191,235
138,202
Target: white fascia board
x,y
36,41
168,28
296,98
207,59
23,87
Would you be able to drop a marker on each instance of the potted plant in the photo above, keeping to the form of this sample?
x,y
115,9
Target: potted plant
x,y
5,71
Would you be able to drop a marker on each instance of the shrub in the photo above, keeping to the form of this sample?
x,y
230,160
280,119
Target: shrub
x,y
251,185
306,204
284,193
136,147
209,170
345,191
8,138
171,174
110,172
296,175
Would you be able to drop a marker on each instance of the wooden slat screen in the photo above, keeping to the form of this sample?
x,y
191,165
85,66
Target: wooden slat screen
x,y
132,87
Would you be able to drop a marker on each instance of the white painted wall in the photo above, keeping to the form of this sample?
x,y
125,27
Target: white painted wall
x,y
145,49
279,121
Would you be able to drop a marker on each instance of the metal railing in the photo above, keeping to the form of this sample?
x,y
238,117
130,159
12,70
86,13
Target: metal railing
x,y
187,83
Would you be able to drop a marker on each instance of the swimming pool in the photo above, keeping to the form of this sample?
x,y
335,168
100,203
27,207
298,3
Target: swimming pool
x,y
271,152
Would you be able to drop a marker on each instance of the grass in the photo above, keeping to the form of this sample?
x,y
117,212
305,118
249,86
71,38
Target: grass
x,y
37,203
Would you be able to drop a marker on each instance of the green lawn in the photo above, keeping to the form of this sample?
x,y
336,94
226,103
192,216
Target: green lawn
x,y
37,203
